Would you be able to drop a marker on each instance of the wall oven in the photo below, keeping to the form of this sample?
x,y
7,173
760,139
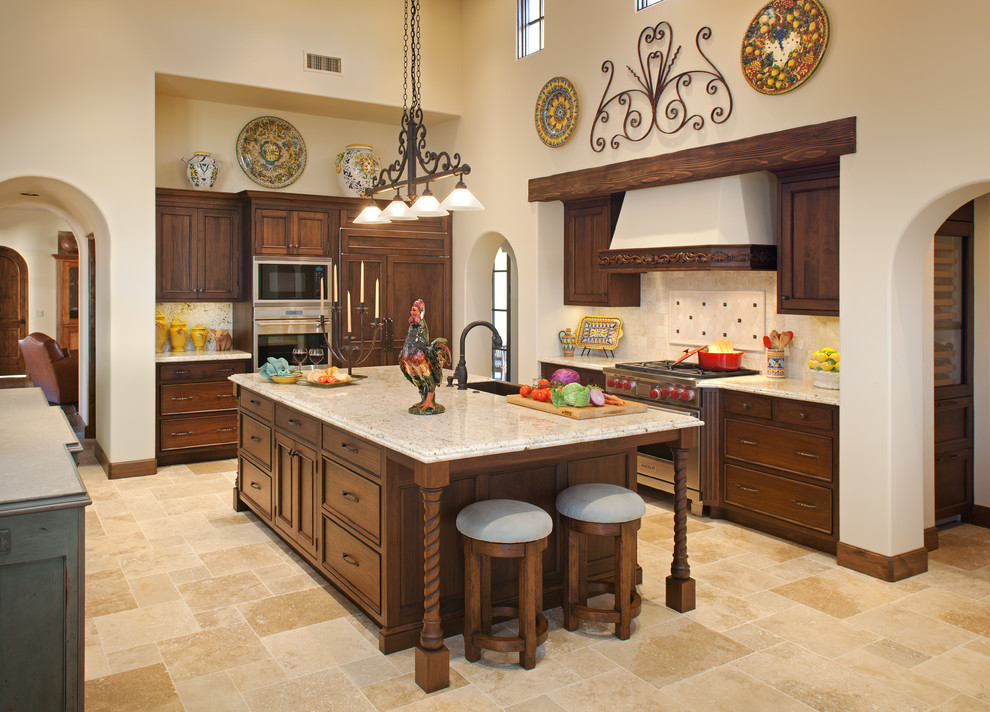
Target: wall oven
x,y
290,281
278,330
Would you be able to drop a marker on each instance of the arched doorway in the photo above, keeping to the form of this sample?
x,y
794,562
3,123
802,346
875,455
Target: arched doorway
x,y
13,310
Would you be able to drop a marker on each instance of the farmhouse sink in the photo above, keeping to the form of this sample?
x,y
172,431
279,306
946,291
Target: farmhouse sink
x,y
499,388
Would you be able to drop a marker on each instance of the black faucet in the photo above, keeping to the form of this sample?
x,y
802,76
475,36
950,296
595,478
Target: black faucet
x,y
460,373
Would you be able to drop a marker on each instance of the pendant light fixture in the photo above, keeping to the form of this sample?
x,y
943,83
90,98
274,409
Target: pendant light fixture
x,y
416,165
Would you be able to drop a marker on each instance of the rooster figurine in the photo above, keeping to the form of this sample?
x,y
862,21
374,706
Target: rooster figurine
x,y
422,361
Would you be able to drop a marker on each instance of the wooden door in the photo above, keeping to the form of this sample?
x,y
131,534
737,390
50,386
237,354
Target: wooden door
x,y
295,491
218,254
272,231
412,277
311,233
13,310
588,228
176,249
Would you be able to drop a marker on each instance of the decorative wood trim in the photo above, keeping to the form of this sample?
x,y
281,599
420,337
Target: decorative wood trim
x,y
780,150
980,516
885,568
931,538
706,257
120,470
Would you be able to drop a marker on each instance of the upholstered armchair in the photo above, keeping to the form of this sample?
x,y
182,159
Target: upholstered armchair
x,y
53,370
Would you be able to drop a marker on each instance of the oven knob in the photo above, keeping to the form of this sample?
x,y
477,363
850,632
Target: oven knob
x,y
675,394
610,382
627,385
654,393
664,392
686,395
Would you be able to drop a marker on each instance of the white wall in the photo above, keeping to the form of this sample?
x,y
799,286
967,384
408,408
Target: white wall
x,y
34,235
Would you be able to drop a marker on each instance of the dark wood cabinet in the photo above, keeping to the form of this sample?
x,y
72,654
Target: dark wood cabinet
x,y
808,241
199,246
778,466
197,411
588,227
67,300
295,481
286,224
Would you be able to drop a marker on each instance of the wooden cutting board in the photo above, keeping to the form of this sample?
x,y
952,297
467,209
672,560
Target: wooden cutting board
x,y
579,413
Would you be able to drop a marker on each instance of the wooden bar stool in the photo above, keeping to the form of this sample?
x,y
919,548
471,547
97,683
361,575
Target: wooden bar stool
x,y
602,510
503,528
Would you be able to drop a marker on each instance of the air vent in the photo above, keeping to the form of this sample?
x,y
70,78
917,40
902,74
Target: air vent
x,y
322,63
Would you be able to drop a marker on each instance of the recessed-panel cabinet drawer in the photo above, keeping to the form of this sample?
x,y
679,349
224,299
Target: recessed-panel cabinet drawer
x,y
255,485
220,429
803,414
296,424
353,449
256,440
353,498
196,397
349,559
794,502
805,454
746,404
258,405
203,369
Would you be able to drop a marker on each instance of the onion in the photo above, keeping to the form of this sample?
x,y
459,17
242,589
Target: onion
x,y
564,376
597,397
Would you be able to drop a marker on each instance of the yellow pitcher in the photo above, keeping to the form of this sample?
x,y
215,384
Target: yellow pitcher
x,y
199,336
177,335
161,330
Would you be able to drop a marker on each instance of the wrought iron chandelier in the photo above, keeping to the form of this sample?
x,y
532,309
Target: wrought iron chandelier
x,y
404,171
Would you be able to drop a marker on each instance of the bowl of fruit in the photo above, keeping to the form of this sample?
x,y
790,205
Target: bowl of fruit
x,y
824,367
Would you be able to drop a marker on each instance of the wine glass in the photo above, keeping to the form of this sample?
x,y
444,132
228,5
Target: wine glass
x,y
299,355
316,356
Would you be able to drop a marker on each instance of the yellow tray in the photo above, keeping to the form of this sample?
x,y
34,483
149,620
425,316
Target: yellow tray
x,y
599,332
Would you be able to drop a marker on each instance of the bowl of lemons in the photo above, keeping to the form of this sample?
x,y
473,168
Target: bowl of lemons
x,y
824,367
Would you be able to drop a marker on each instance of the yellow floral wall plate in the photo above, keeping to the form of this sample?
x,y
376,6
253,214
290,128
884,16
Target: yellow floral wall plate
x,y
271,151
556,112
784,44
599,332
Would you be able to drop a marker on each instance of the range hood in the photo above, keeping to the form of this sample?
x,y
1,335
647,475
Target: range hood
x,y
723,223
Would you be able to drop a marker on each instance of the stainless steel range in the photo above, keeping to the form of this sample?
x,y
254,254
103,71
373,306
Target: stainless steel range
x,y
664,384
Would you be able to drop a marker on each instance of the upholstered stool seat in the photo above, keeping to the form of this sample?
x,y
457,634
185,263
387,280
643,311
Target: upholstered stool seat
x,y
603,510
503,528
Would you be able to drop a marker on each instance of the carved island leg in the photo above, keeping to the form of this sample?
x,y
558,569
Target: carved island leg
x,y
680,585
432,656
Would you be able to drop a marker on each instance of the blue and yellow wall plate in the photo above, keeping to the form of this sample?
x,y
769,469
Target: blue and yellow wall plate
x,y
556,112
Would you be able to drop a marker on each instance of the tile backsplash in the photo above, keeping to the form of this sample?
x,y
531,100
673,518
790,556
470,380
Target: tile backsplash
x,y
647,329
212,315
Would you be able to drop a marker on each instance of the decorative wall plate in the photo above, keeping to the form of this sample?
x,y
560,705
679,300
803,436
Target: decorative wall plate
x,y
599,332
784,44
271,151
556,112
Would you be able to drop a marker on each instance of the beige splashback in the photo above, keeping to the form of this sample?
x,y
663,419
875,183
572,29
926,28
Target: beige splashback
x,y
212,315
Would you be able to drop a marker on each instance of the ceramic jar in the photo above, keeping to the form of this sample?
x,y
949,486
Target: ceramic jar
x,y
202,170
567,340
357,168
161,331
775,363
177,335
199,335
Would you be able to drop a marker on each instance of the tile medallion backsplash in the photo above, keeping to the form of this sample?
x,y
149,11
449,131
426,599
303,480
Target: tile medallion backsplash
x,y
212,315
651,330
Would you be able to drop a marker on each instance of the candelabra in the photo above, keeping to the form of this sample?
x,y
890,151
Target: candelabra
x,y
348,348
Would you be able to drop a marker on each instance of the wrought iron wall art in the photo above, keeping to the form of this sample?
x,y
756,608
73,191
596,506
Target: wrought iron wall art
x,y
661,101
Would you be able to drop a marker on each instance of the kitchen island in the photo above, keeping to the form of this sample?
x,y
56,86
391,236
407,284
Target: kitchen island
x,y
368,493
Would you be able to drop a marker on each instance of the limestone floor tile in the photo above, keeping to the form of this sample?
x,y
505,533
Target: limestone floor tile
x,y
95,661
212,467
735,578
672,651
200,486
107,592
536,704
799,568
839,592
118,545
178,524
370,670
910,682
660,527
204,542
951,608
753,636
962,703
223,591
211,693
961,668
94,527
140,506
401,691
704,549
980,645
158,561
116,525
299,582
146,689
726,689
219,617
302,651
770,601
972,584
586,662
240,558
816,631
460,700
896,653
193,573
757,543
291,610
155,589
133,658
823,684
718,610
917,631
507,684
251,676
209,651
969,548
326,691
212,504
128,629
614,691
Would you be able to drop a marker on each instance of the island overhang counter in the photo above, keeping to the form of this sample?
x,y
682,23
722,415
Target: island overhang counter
x,y
368,493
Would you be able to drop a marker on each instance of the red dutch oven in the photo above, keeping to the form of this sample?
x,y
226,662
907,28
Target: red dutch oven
x,y
720,362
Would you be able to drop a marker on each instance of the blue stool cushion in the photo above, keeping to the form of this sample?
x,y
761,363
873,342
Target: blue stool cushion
x,y
504,521
600,503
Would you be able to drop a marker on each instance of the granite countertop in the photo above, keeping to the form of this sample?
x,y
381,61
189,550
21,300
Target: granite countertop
x,y
37,471
780,387
475,423
173,356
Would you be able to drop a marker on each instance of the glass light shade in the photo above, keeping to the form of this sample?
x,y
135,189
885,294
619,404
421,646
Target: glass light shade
x,y
371,215
461,198
427,206
398,210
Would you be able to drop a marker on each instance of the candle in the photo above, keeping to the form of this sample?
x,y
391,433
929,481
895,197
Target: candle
x,y
362,282
334,294
321,296
348,311
376,298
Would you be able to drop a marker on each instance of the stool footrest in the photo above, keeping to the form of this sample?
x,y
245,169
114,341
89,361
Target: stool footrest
x,y
607,615
511,643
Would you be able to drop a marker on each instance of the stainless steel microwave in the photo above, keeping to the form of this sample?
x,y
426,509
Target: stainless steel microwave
x,y
288,280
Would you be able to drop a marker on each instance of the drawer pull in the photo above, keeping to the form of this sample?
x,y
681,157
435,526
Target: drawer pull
x,y
254,402
351,560
181,398
744,488
226,430
256,485
293,421
179,373
350,497
254,439
225,395
187,432
805,504
812,455
345,446
225,370
747,442
947,457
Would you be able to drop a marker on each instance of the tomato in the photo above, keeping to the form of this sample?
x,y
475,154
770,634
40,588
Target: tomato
x,y
324,379
542,394
525,391
544,383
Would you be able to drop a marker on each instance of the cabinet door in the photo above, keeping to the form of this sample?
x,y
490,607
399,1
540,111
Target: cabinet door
x,y
176,230
311,233
219,252
588,227
295,491
808,243
272,231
